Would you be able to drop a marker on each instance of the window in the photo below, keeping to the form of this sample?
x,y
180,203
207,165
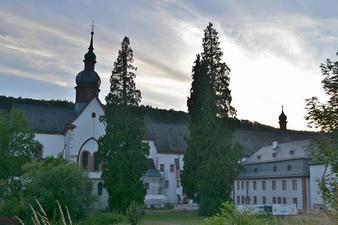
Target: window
x,y
146,185
256,170
162,167
274,200
247,185
96,161
294,185
284,185
84,159
255,200
289,167
284,200
99,189
238,186
259,156
243,199
274,154
238,199
274,168
166,184
93,115
279,200
264,200
255,185
242,185
292,152
263,185
294,201
172,168
273,185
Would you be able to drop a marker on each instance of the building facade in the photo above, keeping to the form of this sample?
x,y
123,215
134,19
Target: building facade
x,y
276,174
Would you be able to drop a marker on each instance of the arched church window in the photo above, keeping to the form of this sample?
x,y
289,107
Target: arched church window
x,y
84,159
99,188
96,161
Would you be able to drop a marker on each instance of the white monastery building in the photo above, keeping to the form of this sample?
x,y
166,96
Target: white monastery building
x,y
274,174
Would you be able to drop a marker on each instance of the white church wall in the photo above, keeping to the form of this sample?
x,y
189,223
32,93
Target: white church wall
x,y
86,127
53,144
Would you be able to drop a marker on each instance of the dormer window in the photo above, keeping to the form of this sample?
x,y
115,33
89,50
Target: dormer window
x,y
256,170
289,167
274,154
259,156
292,152
93,115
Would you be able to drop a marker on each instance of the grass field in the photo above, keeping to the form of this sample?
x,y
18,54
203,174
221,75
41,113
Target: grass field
x,y
170,218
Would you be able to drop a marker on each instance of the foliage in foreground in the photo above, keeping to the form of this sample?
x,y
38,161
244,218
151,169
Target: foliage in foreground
x,y
49,181
134,213
229,215
57,179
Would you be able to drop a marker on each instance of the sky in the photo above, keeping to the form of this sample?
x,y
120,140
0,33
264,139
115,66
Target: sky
x,y
273,48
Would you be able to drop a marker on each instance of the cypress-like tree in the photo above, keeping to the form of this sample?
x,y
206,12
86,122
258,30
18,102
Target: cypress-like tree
x,y
122,150
211,160
218,72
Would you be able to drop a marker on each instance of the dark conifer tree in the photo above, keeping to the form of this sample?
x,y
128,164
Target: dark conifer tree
x,y
121,149
211,160
218,72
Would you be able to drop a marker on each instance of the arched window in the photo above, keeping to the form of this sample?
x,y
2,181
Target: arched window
x,y
84,159
96,161
99,189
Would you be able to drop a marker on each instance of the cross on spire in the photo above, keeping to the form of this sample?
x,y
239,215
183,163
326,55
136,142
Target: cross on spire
x,y
92,25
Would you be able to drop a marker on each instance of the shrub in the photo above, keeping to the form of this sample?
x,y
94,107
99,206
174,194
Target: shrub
x,y
134,213
229,215
57,180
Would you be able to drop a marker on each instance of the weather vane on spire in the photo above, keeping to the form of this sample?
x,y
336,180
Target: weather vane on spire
x,y
92,25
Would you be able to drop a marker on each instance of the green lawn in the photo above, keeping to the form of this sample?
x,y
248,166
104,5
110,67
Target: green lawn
x,y
171,218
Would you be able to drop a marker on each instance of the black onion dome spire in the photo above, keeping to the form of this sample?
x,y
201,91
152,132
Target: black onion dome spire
x,y
88,77
282,116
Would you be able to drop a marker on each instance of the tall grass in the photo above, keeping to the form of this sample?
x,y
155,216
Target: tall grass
x,y
39,216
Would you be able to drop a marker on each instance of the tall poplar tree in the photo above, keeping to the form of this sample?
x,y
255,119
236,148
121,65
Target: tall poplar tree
x,y
211,160
122,150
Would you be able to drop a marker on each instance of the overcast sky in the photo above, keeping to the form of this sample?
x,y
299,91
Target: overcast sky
x,y
273,48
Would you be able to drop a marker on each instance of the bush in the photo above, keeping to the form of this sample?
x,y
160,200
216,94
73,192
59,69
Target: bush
x,y
229,215
57,180
134,213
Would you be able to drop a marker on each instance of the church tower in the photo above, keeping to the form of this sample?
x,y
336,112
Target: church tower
x,y
87,81
282,120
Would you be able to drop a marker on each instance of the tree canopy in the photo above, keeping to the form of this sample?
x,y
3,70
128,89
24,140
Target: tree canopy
x,y
324,115
122,150
17,144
